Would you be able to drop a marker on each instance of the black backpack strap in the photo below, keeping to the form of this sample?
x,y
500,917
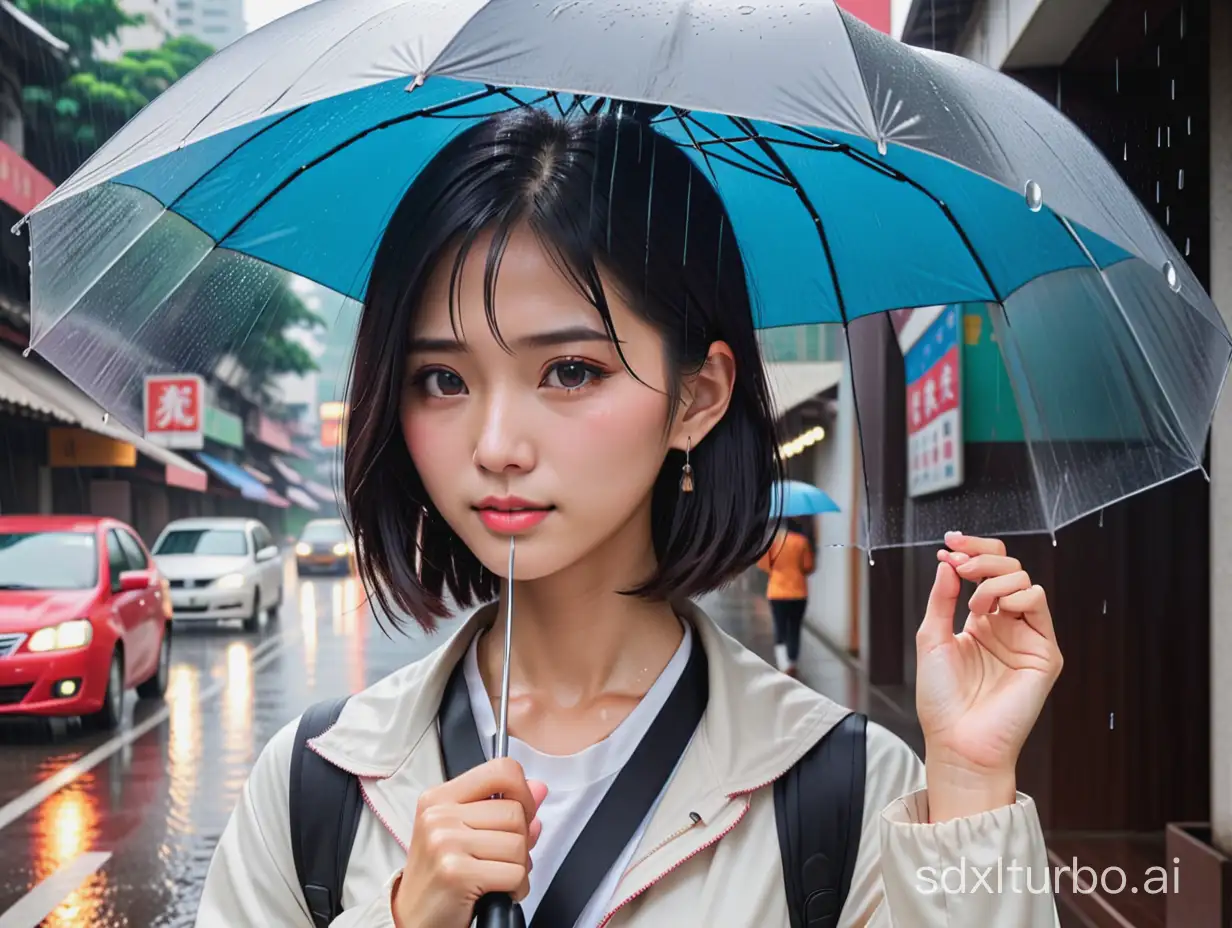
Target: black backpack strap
x,y
819,810
324,813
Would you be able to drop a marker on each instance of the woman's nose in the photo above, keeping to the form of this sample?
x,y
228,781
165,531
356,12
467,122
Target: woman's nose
x,y
503,443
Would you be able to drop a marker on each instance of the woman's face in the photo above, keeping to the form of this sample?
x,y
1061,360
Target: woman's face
x,y
551,440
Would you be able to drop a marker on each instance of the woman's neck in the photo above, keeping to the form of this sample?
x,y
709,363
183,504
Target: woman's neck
x,y
582,641
582,653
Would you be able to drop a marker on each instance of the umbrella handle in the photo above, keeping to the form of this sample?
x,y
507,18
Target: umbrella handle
x,y
497,910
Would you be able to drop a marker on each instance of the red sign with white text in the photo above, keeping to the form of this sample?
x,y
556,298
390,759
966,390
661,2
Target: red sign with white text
x,y
175,410
21,185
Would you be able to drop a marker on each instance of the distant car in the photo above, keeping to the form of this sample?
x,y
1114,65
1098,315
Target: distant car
x,y
221,569
325,545
84,615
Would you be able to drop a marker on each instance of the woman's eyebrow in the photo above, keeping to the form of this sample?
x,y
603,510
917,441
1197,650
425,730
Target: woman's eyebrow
x,y
565,336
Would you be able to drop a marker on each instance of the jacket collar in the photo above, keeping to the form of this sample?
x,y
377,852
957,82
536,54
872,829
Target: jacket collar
x,y
757,724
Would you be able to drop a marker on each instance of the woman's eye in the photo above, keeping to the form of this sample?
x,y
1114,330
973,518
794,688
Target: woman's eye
x,y
442,383
571,375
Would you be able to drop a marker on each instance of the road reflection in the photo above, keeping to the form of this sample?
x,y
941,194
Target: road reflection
x,y
68,825
237,710
184,750
308,628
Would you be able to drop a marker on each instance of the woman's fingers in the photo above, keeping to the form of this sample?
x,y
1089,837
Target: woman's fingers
x,y
983,566
989,595
1032,605
938,625
498,846
972,545
495,815
501,777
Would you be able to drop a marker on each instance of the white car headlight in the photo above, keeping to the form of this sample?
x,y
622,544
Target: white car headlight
x,y
76,633
303,549
340,549
230,582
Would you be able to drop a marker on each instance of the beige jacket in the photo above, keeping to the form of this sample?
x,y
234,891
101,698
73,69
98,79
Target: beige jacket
x,y
721,871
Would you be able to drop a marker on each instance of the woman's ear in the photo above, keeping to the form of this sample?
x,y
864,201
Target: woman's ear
x,y
705,397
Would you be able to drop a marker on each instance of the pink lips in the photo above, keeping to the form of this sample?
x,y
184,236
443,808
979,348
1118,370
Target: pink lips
x,y
511,515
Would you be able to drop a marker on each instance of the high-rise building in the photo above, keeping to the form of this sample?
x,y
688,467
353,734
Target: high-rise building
x,y
217,22
157,26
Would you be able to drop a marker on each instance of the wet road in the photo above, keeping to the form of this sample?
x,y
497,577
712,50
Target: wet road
x,y
118,829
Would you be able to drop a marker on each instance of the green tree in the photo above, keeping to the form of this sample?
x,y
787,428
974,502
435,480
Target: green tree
x,y
68,122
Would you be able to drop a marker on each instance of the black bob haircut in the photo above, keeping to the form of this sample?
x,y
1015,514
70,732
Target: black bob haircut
x,y
597,191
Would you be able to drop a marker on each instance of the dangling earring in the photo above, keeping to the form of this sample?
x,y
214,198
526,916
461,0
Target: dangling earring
x,y
686,472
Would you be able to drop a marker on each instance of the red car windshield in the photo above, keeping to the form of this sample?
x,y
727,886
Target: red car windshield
x,y
48,561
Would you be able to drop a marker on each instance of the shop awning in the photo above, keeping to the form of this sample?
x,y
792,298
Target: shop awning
x,y
22,186
301,499
31,386
260,475
796,382
287,472
235,476
320,491
276,500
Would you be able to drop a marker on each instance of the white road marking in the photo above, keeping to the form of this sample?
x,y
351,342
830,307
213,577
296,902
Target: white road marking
x,y
36,796
41,901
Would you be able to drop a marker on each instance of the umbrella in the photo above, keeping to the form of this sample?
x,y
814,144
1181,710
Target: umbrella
x,y
796,498
861,176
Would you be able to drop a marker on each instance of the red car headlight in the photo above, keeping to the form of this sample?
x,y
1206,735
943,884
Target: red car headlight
x,y
66,636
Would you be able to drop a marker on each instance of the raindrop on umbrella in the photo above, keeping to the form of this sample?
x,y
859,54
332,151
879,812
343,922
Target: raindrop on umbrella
x,y
746,9
1171,276
1035,196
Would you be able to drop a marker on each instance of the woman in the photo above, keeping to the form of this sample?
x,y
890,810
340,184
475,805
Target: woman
x,y
789,562
557,345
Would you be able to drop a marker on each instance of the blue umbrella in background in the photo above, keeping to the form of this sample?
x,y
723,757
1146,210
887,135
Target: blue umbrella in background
x,y
796,498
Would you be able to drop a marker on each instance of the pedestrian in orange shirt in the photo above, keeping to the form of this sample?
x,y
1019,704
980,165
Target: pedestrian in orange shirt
x,y
788,562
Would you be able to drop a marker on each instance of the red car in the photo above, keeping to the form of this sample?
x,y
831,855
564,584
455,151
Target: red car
x,y
84,615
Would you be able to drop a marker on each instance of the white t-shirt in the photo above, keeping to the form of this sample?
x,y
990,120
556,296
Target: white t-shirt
x,y
576,782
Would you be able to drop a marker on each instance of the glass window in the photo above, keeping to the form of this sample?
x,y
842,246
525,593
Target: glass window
x,y
117,560
207,542
324,531
48,561
136,557
264,538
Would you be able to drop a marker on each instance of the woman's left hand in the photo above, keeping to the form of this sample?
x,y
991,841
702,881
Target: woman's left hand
x,y
979,692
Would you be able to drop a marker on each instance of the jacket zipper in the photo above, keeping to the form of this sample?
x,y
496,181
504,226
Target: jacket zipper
x,y
709,844
680,863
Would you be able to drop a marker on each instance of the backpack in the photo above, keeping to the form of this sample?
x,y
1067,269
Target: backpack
x,y
818,810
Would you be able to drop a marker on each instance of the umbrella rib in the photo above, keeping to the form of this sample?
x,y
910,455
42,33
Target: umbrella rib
x,y
789,176
229,155
346,143
782,165
717,139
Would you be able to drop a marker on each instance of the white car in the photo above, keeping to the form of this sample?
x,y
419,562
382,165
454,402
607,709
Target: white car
x,y
221,569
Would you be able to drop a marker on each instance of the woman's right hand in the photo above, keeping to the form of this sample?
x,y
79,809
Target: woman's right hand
x,y
466,844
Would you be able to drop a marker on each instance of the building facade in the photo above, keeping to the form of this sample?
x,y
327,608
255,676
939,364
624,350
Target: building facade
x,y
156,27
215,22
